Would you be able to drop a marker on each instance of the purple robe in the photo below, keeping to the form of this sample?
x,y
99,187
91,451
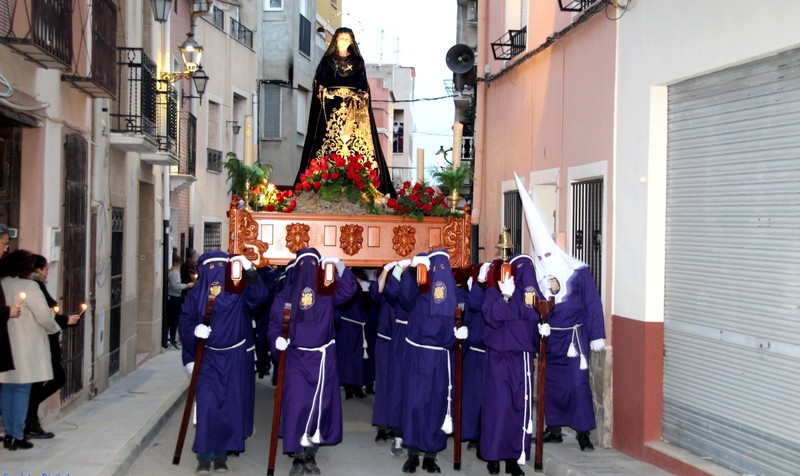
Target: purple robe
x,y
352,317
472,369
429,362
509,335
380,411
568,395
225,391
310,403
397,355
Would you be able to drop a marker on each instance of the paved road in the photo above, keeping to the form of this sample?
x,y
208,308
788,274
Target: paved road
x,y
357,455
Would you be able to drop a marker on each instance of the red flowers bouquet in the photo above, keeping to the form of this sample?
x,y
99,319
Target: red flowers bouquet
x,y
335,177
270,199
418,200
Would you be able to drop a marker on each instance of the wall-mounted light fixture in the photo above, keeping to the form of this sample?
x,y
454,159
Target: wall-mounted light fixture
x,y
444,152
234,126
200,80
161,9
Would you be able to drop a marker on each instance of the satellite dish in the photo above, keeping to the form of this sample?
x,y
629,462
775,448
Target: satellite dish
x,y
460,58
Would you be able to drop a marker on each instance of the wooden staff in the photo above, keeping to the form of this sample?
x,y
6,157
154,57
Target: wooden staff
x,y
457,405
544,308
276,410
198,358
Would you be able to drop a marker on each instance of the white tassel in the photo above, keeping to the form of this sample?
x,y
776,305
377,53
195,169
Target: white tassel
x,y
521,460
529,430
315,438
304,441
447,426
366,355
572,352
584,365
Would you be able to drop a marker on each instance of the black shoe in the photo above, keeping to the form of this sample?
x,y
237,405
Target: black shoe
x,y
584,442
310,465
359,392
220,466
38,433
549,437
370,390
472,445
429,464
203,467
348,392
512,468
410,466
8,441
21,444
493,467
381,436
175,345
298,467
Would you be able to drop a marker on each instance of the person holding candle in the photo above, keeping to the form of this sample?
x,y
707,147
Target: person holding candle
x,y
29,345
340,119
6,312
41,391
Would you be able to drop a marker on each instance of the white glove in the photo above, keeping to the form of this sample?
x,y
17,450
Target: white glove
x,y
421,260
461,332
189,367
469,283
246,263
389,266
364,285
202,331
597,345
507,287
405,263
544,329
484,271
336,262
281,343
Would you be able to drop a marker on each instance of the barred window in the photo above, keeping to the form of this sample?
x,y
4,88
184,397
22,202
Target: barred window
x,y
212,237
512,218
272,111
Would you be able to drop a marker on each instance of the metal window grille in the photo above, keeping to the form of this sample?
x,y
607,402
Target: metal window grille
x,y
305,36
587,213
212,237
76,195
272,111
115,328
512,218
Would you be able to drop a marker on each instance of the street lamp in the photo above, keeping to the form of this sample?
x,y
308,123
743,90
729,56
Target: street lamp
x,y
235,126
444,153
200,80
191,53
161,9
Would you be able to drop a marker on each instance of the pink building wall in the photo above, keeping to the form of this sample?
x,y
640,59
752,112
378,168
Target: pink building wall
x,y
382,111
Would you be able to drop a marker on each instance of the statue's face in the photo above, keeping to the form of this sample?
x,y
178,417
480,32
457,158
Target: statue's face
x,y
343,41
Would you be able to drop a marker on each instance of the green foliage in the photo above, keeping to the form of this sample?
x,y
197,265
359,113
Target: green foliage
x,y
244,177
453,179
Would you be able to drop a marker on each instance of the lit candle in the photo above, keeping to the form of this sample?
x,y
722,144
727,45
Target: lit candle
x,y
458,128
195,277
22,297
83,309
420,165
56,309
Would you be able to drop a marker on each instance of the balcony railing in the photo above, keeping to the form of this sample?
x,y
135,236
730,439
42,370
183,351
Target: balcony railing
x,y
135,107
98,78
217,18
214,160
39,30
510,45
241,34
167,118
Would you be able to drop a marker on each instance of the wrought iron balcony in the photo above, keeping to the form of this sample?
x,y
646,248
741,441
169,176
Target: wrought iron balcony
x,y
510,45
217,18
93,71
241,34
133,114
575,5
39,30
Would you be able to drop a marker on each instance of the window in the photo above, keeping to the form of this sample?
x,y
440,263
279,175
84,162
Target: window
x,y
302,116
272,111
305,36
191,144
512,218
397,138
271,5
212,237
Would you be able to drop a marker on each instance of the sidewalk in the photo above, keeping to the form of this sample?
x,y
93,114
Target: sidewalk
x,y
104,436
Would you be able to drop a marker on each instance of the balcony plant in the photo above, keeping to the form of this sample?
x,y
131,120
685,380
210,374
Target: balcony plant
x,y
250,183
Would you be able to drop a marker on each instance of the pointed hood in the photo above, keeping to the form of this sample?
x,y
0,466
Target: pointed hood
x,y
553,266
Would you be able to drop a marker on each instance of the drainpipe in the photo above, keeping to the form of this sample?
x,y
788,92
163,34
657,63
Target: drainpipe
x,y
480,119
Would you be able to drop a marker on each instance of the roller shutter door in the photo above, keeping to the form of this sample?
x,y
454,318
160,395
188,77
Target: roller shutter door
x,y
732,293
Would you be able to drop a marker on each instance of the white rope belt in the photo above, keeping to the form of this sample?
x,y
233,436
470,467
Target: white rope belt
x,y
477,349
363,334
383,336
571,352
527,413
447,426
317,399
241,342
405,323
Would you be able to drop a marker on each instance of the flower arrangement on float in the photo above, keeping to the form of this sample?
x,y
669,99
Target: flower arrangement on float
x,y
334,178
418,200
250,186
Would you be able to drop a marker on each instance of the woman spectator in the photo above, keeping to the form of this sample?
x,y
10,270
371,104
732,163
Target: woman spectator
x,y
6,312
41,391
29,345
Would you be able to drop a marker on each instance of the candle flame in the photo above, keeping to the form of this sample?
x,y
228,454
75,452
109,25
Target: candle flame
x,y
83,309
56,309
22,297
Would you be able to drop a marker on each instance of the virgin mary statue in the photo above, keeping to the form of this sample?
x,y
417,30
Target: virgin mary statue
x,y
340,120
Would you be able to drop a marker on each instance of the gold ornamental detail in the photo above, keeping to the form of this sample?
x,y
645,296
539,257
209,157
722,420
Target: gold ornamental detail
x,y
244,236
352,238
404,239
297,236
457,242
